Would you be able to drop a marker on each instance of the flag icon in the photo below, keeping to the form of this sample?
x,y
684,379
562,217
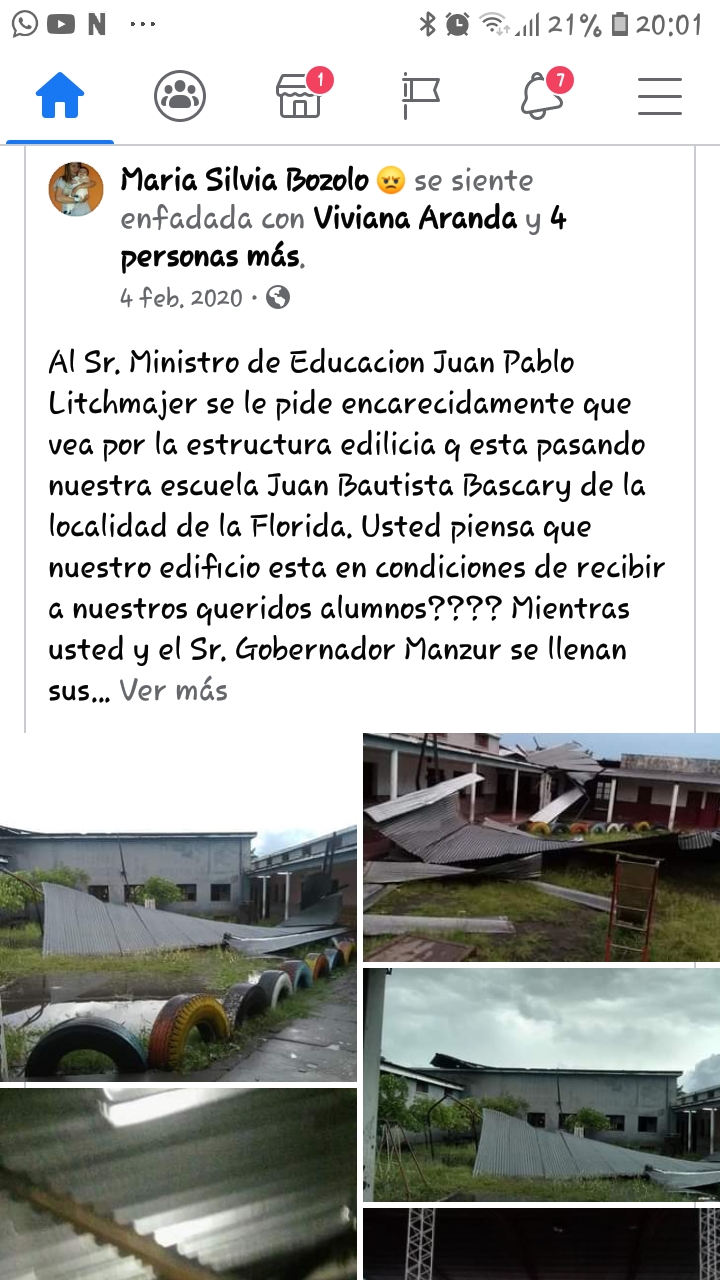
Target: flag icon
x,y
419,89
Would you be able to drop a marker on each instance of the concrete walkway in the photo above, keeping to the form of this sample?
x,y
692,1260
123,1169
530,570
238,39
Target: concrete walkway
x,y
322,1046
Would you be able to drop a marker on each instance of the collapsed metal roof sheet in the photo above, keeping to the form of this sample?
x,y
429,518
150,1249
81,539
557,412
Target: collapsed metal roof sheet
x,y
551,811
420,799
511,1148
78,924
437,832
569,757
256,1181
380,872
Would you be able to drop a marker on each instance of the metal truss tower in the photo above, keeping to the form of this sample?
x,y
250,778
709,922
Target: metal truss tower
x,y
420,1244
709,1244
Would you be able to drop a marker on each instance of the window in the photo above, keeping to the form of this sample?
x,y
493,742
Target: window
x,y
219,892
536,1119
644,795
482,740
617,1123
130,892
99,891
563,1118
603,790
189,892
422,1086
694,800
647,1124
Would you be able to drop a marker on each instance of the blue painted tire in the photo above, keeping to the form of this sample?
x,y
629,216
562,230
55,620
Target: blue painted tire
x,y
335,958
98,1034
299,973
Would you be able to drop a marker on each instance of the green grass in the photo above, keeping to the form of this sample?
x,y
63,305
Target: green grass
x,y
21,957
686,924
451,1173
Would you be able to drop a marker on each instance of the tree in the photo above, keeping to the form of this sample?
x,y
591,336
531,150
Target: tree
x,y
587,1118
442,1115
505,1102
392,1101
163,891
15,894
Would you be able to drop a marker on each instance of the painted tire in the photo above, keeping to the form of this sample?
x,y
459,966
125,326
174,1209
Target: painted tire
x,y
615,826
335,958
299,974
598,829
579,829
173,1025
539,828
560,829
100,1034
276,984
348,949
317,962
641,826
245,1000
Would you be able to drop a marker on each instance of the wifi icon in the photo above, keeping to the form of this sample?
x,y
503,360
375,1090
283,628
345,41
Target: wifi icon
x,y
492,20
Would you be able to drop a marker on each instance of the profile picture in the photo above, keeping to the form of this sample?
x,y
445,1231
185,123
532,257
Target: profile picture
x,y
76,189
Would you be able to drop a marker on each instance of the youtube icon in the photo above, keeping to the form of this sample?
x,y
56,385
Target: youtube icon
x,y
61,24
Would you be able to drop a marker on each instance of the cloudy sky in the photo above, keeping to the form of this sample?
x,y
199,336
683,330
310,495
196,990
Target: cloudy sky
x,y
286,784
658,1019
613,744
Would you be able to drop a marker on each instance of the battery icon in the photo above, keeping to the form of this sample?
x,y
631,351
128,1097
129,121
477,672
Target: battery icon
x,y
620,24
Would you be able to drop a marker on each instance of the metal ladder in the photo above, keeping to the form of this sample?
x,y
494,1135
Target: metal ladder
x,y
632,907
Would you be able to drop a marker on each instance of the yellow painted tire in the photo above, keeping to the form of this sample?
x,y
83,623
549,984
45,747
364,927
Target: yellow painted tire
x,y
317,963
173,1025
348,949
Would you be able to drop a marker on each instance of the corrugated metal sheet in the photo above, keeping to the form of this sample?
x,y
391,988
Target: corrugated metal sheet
x,y
77,924
397,872
569,757
511,1148
254,1181
33,1244
373,925
557,806
420,799
475,844
593,900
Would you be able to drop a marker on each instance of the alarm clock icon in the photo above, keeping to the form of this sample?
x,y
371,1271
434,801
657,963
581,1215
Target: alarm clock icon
x,y
457,24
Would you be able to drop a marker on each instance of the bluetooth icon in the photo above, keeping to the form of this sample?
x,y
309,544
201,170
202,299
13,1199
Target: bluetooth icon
x,y
426,23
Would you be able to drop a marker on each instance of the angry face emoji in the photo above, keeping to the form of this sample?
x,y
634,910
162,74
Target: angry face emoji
x,y
391,180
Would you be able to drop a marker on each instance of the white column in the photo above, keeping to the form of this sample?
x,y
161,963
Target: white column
x,y
264,901
288,876
712,1130
473,789
689,1141
393,775
673,806
516,780
374,991
611,801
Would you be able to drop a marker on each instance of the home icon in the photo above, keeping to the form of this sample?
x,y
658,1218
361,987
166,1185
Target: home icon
x,y
59,89
295,97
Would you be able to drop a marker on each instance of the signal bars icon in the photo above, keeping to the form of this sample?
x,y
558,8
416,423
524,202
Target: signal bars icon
x,y
531,28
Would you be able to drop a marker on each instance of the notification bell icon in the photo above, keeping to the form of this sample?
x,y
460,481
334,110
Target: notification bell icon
x,y
538,98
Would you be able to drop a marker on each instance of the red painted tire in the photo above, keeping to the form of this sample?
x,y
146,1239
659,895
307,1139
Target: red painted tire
x,y
245,1000
348,949
335,958
299,974
99,1034
317,963
277,985
176,1020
